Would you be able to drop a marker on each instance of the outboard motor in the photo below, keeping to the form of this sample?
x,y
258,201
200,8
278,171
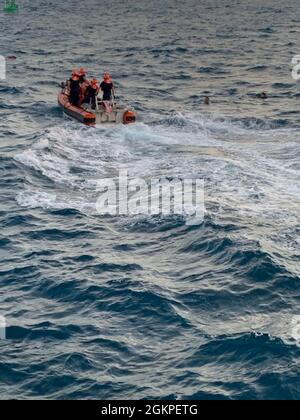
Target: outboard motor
x,y
129,117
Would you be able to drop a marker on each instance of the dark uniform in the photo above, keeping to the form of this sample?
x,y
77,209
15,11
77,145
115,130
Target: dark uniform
x,y
74,92
91,94
107,90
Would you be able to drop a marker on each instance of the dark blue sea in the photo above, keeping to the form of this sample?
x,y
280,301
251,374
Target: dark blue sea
x,y
150,307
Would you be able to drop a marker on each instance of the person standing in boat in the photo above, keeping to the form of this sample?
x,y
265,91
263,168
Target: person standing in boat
x,y
92,93
107,87
74,85
84,84
73,74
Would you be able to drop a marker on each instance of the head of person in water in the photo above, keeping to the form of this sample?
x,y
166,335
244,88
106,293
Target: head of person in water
x,y
206,100
263,95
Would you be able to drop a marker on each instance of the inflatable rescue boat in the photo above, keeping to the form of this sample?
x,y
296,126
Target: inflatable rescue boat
x,y
104,112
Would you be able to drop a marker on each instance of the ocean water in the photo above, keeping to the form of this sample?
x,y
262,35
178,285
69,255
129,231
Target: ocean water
x,y
150,307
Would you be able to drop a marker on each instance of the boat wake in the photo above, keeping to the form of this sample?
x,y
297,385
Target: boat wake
x,y
251,176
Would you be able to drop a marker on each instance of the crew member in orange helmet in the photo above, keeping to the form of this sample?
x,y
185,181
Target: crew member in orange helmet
x,y
82,74
92,93
74,86
84,83
107,87
73,74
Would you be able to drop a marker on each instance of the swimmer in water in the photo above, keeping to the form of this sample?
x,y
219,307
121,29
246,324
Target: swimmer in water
x,y
262,95
206,100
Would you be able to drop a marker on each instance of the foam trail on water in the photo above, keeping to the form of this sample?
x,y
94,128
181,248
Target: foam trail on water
x,y
248,172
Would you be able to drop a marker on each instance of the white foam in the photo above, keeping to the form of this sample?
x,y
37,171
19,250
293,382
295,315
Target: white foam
x,y
36,199
247,171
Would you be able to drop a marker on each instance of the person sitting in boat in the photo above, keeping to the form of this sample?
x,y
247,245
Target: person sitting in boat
x,y
74,85
107,87
92,93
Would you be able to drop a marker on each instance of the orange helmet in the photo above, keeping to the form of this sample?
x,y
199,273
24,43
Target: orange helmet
x,y
82,71
106,77
94,83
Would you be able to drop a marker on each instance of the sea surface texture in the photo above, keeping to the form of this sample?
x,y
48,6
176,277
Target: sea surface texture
x,y
105,307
